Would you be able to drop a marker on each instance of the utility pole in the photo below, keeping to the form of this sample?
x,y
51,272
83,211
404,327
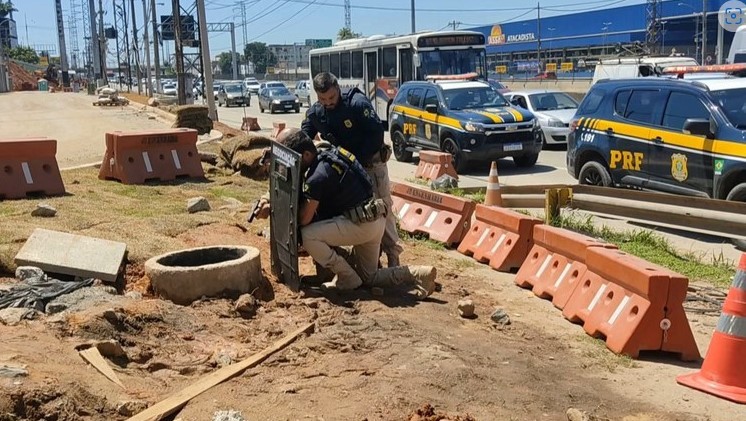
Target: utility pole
x,y
3,70
245,36
234,59
63,47
145,41
156,53
135,50
454,23
538,34
119,51
204,41
179,52
704,33
101,42
95,42
127,45
413,26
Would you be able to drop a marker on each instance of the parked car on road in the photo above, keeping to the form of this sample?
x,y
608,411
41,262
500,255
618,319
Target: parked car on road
x,y
554,110
278,99
233,94
468,119
303,91
272,84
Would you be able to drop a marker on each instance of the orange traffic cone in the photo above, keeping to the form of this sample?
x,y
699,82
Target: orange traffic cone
x,y
493,196
723,373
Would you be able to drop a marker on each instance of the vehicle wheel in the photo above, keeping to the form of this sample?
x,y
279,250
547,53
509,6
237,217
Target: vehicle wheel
x,y
738,194
543,140
219,104
459,162
400,147
297,110
594,174
525,161
271,110
261,110
309,102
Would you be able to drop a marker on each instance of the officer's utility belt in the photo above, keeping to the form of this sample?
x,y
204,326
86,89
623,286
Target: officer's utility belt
x,y
368,211
382,156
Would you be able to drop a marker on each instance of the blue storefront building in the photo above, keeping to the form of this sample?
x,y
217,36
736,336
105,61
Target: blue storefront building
x,y
575,42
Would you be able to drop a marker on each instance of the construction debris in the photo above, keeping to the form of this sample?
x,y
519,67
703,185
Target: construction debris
x,y
193,117
110,97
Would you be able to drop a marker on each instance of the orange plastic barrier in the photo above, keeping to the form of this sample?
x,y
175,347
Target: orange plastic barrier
x,y
636,305
723,373
250,124
29,166
556,263
443,217
499,236
277,127
136,157
434,164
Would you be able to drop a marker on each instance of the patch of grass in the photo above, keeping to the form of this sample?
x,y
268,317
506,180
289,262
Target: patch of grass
x,y
418,181
654,248
603,357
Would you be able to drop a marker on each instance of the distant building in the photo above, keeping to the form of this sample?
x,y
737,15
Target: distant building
x,y
8,31
290,56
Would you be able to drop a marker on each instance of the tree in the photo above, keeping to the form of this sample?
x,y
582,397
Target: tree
x,y
25,54
225,62
346,33
259,54
6,8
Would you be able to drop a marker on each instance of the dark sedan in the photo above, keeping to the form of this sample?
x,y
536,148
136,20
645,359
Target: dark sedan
x,y
278,99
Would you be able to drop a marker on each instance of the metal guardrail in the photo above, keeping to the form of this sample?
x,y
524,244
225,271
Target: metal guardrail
x,y
711,216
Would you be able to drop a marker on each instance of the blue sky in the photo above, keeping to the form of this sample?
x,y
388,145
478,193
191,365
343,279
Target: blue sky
x,y
288,21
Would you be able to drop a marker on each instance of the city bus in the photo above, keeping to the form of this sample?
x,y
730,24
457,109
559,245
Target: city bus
x,y
378,65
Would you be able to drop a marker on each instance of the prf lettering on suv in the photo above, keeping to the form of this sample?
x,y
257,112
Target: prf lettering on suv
x,y
464,117
682,135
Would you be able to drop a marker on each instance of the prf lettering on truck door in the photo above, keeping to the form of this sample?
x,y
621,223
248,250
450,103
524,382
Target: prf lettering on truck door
x,y
626,160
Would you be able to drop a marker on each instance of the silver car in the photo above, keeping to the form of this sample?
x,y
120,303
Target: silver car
x,y
553,109
303,91
278,99
233,94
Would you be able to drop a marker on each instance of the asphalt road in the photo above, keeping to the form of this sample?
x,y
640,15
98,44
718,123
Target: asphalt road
x,y
550,169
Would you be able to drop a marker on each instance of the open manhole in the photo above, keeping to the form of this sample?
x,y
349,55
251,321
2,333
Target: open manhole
x,y
187,275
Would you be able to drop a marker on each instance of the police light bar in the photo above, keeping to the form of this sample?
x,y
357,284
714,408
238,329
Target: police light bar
x,y
716,68
464,76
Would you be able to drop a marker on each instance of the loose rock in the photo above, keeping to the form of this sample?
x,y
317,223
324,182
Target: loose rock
x,y
198,204
131,408
13,316
500,317
578,415
135,295
29,274
247,305
209,157
228,416
153,102
466,308
44,211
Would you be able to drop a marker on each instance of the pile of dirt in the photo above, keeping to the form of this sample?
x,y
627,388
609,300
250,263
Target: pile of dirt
x,y
20,78
193,117
244,153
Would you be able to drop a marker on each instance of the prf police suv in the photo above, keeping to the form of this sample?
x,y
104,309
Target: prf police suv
x,y
675,135
466,118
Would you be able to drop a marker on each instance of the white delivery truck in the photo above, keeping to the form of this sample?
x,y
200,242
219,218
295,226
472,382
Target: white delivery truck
x,y
737,53
633,67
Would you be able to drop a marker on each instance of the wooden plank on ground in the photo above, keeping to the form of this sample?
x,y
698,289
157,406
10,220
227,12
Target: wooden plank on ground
x,y
180,398
93,357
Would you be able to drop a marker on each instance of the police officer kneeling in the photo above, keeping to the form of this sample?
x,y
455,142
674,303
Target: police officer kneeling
x,y
339,210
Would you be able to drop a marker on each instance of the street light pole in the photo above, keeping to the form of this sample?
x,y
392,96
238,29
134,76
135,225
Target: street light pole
x,y
146,42
606,32
704,32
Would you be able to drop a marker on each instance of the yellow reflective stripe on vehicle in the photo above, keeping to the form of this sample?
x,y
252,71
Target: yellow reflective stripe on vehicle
x,y
422,115
516,114
494,117
631,130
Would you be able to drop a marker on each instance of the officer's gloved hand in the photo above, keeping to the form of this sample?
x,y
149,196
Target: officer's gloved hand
x,y
263,212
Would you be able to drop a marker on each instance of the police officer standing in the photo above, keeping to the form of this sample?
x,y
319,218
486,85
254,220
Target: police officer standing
x,y
339,209
349,121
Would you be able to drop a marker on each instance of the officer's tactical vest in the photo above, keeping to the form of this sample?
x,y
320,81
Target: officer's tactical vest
x,y
345,162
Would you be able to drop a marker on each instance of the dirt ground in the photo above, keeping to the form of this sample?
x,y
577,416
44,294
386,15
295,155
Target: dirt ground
x,y
371,357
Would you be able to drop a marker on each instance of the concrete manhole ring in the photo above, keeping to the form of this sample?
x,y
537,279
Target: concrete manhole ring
x,y
187,275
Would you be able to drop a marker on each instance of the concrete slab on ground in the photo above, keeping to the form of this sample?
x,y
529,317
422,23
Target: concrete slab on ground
x,y
75,255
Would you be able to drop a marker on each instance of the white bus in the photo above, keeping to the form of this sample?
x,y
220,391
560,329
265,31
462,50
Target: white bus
x,y
379,64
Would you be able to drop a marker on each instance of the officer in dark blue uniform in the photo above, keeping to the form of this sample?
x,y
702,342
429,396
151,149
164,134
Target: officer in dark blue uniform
x,y
339,209
349,121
